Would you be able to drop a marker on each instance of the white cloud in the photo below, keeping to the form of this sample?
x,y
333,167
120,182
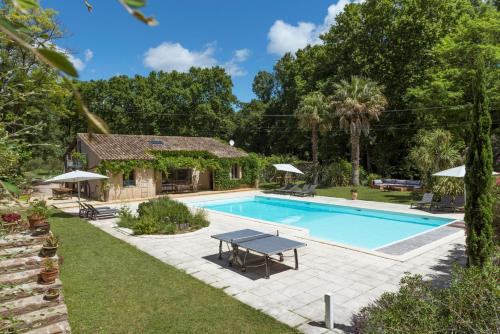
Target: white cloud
x,y
284,37
88,55
78,63
232,66
173,56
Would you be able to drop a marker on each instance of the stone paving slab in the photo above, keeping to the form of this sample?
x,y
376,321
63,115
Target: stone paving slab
x,y
294,297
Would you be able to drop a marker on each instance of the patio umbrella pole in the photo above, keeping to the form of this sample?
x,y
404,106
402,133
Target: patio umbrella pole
x,y
78,185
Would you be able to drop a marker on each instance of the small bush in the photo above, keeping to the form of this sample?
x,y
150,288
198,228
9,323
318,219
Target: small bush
x,y
496,212
336,174
371,177
163,216
469,305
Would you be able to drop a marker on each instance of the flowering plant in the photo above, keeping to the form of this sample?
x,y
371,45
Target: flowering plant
x,y
11,217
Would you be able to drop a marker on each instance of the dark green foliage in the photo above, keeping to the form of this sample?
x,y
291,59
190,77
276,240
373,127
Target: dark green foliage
x,y
469,305
478,179
162,216
338,174
496,212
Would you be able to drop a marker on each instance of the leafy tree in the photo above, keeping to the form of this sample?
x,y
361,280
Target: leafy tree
x,y
478,208
356,102
435,150
263,86
312,115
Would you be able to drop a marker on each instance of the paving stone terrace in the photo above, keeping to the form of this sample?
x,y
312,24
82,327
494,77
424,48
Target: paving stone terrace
x,y
296,297
22,306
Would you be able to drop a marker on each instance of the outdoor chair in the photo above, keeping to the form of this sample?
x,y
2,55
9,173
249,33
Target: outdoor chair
x,y
426,200
458,203
290,191
276,191
444,203
96,213
308,190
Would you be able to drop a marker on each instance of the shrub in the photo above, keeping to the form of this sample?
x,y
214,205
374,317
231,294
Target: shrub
x,y
469,305
370,178
336,174
38,208
162,216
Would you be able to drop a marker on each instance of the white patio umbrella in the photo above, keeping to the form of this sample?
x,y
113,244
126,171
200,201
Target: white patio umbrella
x,y
456,172
288,168
76,176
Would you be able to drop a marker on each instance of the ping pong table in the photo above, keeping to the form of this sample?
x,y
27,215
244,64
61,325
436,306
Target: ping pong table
x,y
261,243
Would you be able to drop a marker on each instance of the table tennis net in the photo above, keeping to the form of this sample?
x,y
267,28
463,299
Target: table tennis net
x,y
250,238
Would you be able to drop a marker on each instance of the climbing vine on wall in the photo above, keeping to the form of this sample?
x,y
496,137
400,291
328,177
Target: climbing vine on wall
x,y
200,160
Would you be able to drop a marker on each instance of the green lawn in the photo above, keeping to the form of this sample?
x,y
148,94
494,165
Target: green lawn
x,y
370,194
111,287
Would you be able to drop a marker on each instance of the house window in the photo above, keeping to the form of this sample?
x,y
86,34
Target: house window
x,y
129,179
235,172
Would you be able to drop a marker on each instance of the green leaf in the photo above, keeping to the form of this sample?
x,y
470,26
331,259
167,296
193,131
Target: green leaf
x,y
25,5
12,189
135,3
59,61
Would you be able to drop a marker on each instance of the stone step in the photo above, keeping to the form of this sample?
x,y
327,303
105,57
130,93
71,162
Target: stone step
x,y
22,263
20,240
26,290
61,327
41,318
26,305
24,251
19,277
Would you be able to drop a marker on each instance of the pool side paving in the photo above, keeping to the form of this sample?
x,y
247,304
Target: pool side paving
x,y
296,297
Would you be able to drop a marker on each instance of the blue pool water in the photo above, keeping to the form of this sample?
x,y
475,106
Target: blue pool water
x,y
369,229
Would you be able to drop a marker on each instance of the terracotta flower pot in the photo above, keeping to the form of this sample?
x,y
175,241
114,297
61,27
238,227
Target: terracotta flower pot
x,y
354,196
36,221
49,251
51,294
49,276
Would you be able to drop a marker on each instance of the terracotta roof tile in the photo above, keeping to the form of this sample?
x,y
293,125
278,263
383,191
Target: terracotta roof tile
x,y
125,147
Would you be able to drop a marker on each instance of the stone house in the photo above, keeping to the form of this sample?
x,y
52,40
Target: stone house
x,y
93,151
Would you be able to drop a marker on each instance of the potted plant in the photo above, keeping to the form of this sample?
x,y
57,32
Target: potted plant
x,y
11,221
38,214
51,294
354,194
50,271
50,245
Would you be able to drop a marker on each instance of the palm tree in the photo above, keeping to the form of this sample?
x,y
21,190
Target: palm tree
x,y
356,102
312,116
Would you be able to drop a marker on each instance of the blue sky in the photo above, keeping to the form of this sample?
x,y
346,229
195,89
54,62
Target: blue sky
x,y
242,36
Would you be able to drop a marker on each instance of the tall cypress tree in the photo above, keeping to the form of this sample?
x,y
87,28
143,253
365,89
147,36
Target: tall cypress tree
x,y
478,208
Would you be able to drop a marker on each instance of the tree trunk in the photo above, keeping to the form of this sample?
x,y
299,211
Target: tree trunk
x,y
355,158
314,142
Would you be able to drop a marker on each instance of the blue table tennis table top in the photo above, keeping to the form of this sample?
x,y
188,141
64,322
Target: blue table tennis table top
x,y
263,243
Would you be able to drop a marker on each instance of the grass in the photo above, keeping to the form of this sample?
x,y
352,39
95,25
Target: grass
x,y
370,194
112,287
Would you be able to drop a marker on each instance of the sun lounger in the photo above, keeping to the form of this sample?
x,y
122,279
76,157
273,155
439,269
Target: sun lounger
x,y
458,203
290,191
277,191
426,200
96,213
444,203
308,190
257,242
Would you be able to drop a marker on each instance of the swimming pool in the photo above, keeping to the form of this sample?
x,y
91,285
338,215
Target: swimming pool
x,y
365,228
